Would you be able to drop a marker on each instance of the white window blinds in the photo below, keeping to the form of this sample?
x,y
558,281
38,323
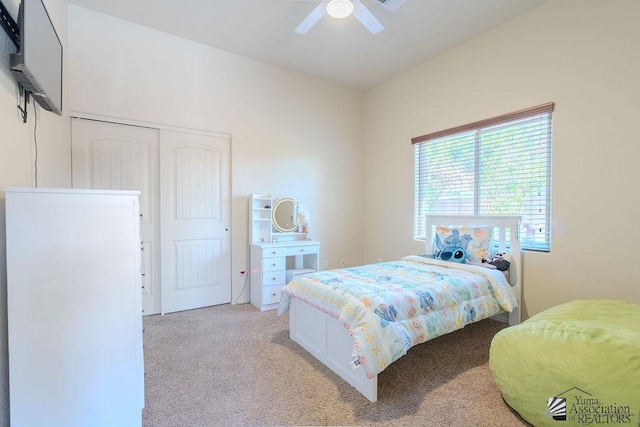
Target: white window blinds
x,y
498,166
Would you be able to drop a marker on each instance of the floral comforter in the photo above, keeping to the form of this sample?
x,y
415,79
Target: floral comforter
x,y
390,307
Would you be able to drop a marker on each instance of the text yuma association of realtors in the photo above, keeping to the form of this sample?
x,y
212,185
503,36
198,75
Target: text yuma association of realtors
x,y
590,410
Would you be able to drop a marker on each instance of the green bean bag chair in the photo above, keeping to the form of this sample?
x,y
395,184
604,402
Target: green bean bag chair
x,y
574,364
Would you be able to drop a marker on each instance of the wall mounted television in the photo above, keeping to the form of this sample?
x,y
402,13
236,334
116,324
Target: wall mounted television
x,y
37,66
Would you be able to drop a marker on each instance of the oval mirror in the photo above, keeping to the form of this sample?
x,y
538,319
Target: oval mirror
x,y
283,215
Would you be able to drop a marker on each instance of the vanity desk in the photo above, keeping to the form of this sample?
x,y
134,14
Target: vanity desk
x,y
280,249
275,264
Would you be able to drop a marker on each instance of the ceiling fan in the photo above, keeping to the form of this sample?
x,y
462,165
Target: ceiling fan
x,y
343,8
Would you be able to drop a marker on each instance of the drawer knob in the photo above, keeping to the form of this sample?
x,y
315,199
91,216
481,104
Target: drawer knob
x,y
273,265
273,294
301,250
273,278
273,253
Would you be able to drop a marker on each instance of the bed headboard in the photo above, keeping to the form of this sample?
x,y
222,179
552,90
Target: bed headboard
x,y
506,235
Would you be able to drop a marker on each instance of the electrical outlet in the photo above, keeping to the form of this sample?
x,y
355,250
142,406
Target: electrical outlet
x,y
325,264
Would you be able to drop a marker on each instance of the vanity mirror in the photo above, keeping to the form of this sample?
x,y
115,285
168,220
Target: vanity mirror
x,y
283,220
284,215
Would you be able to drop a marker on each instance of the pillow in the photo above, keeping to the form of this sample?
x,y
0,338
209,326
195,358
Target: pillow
x,y
477,241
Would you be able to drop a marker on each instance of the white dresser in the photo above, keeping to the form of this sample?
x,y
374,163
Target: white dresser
x,y
74,308
272,263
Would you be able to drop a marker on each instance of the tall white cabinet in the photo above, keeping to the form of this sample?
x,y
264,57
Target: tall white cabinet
x,y
74,307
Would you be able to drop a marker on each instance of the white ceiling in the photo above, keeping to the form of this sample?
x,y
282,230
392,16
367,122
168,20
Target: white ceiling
x,y
339,51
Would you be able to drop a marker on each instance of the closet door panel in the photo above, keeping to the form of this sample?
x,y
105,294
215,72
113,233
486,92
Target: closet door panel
x,y
110,156
195,195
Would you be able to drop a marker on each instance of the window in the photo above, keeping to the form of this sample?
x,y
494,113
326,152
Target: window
x,y
498,166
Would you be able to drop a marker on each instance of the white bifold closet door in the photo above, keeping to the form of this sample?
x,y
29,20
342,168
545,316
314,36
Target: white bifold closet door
x,y
194,195
185,205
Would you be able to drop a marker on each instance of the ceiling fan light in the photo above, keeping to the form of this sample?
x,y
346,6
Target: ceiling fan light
x,y
340,8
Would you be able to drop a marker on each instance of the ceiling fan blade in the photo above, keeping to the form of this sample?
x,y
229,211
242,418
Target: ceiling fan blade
x,y
367,19
312,18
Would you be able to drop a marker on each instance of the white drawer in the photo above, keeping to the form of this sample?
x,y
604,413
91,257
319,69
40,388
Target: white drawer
x,y
271,294
273,278
273,264
302,250
273,252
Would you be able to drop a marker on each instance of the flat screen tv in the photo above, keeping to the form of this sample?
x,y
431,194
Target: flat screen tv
x,y
37,66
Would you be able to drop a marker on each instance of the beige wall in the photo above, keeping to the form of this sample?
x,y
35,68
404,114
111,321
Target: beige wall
x,y
581,54
17,158
291,135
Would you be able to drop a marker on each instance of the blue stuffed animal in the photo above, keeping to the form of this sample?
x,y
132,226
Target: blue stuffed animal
x,y
453,254
453,248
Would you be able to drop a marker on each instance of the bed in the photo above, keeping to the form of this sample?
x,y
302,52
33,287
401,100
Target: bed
x,y
358,320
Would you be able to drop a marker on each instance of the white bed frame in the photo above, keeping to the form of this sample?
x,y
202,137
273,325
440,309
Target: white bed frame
x,y
329,341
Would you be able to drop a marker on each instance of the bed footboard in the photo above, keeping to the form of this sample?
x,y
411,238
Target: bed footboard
x,y
329,342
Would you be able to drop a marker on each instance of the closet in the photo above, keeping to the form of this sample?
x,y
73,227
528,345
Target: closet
x,y
184,183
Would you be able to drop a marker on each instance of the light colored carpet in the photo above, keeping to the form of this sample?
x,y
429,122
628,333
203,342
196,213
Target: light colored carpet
x,y
233,365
